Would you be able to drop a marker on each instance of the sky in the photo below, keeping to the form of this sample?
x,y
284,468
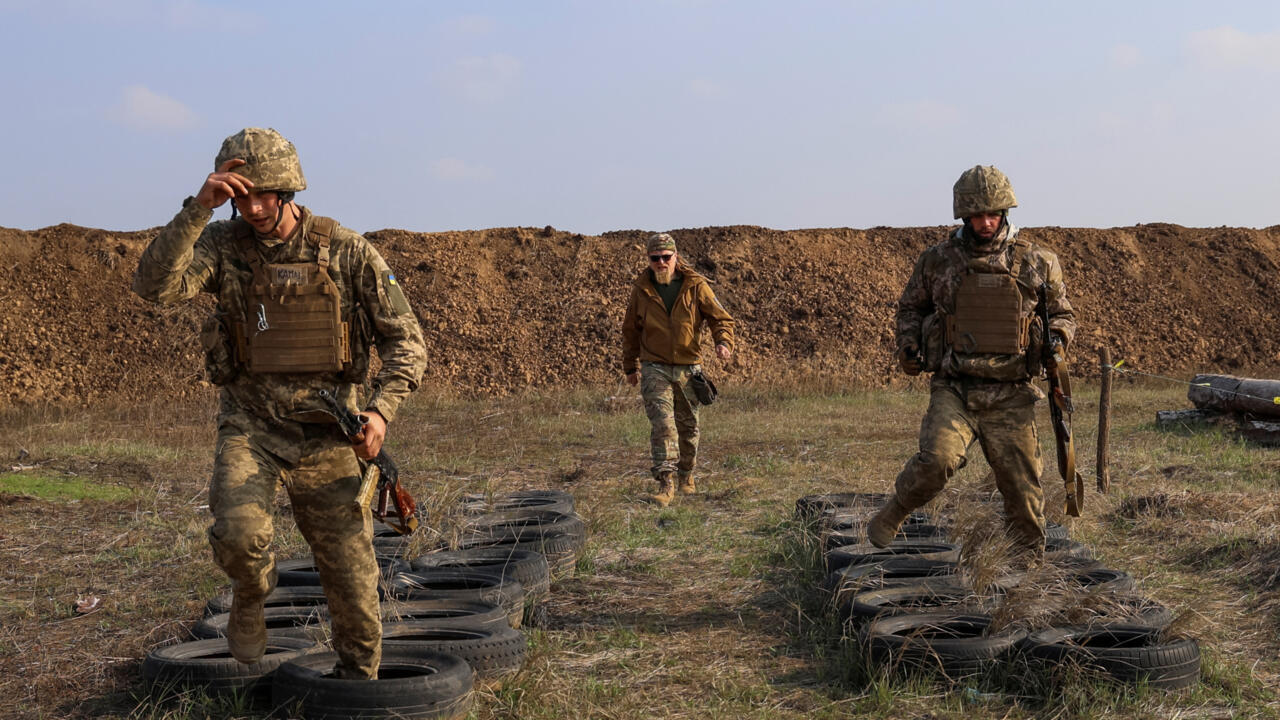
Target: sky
x,y
598,115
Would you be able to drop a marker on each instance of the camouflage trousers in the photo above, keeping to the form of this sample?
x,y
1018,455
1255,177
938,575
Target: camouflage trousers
x,y
1010,444
322,487
673,414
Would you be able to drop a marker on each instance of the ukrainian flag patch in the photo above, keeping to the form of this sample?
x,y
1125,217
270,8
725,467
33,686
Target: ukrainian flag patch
x,y
395,296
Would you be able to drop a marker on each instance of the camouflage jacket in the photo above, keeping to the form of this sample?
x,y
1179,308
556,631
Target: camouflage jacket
x,y
650,333
930,295
191,255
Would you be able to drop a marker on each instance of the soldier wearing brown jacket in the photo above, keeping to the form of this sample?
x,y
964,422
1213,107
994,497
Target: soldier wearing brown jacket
x,y
661,351
967,315
301,300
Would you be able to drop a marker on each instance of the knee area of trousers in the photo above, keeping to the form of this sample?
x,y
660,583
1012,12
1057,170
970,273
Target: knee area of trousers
x,y
934,463
240,535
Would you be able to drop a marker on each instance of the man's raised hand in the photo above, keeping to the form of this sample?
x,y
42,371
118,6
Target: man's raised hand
x,y
223,185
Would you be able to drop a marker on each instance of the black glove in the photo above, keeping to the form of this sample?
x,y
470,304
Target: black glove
x,y
910,361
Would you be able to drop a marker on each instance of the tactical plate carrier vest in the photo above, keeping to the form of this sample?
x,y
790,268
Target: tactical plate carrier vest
x,y
293,312
988,315
989,319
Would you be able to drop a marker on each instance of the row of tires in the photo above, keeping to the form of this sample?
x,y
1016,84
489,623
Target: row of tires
x,y
542,521
451,620
915,606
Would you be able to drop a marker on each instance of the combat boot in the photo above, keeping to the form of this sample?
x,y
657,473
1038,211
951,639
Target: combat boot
x,y
246,629
885,523
247,625
684,483
666,490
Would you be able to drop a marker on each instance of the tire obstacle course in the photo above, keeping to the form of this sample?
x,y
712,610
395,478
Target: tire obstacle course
x,y
913,608
451,620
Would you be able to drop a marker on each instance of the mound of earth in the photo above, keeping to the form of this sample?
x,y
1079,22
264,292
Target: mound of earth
x,y
513,308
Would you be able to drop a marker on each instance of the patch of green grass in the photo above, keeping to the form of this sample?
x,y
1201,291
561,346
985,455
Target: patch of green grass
x,y
60,488
1224,679
191,703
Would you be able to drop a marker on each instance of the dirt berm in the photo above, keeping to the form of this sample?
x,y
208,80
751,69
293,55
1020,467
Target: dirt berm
x,y
512,308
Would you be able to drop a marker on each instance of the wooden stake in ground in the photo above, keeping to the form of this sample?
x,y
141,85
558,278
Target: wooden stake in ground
x,y
1104,420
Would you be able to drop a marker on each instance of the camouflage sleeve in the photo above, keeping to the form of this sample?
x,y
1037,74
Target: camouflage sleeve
x,y
631,334
397,334
1062,319
914,304
181,261
717,317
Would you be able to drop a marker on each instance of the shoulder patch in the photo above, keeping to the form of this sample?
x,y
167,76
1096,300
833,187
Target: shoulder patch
x,y
395,295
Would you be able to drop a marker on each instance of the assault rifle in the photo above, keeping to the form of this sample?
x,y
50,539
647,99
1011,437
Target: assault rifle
x,y
1060,407
379,474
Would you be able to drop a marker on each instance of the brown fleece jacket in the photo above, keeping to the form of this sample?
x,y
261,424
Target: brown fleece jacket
x,y
650,333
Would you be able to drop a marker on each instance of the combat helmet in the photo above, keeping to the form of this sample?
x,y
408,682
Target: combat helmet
x,y
982,189
271,162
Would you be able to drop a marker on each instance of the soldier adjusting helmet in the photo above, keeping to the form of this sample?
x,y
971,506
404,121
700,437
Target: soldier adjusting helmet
x,y
982,189
271,162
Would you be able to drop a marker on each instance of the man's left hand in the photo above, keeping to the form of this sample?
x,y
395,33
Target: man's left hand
x,y
723,352
369,441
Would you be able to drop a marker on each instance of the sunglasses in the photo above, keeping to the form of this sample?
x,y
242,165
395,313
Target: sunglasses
x,y
661,258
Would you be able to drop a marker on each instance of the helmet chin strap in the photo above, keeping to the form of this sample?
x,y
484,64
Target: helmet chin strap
x,y
279,214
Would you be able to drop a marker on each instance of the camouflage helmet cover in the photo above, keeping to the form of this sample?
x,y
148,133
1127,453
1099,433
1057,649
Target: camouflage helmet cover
x,y
271,162
981,189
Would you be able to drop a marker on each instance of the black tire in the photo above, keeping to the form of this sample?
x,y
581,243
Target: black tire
x,y
850,518
520,501
1056,549
287,620
303,571
1103,579
858,534
297,596
894,572
1072,563
523,527
561,551
1123,652
208,665
863,512
811,506
417,685
1056,568
388,543
459,584
446,613
492,652
1122,608
954,644
529,567
1053,530
865,553
922,597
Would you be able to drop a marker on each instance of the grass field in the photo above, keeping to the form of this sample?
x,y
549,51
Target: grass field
x,y
706,609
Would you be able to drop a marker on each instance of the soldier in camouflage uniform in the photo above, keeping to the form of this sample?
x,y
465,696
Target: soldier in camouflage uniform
x,y
967,315
661,350
300,302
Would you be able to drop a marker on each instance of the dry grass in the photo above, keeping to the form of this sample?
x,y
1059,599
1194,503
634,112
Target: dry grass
x,y
708,609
